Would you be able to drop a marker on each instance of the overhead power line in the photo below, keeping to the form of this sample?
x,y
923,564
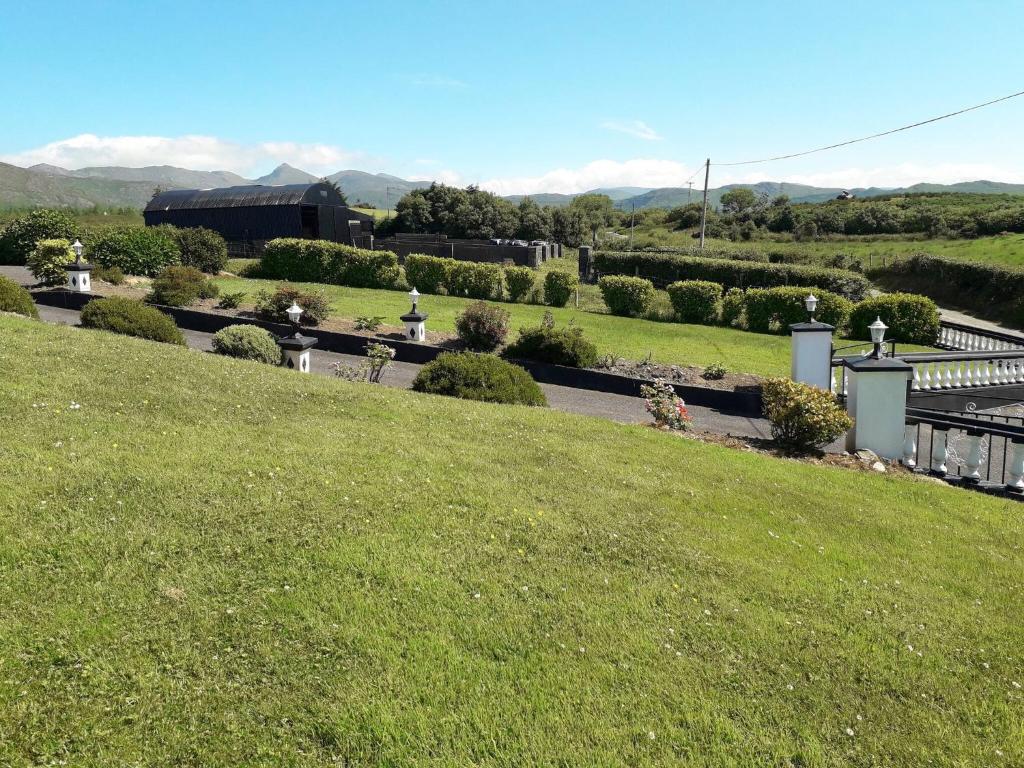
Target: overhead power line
x,y
876,135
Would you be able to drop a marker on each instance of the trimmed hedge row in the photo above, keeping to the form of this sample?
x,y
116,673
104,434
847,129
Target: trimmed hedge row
x,y
770,309
696,301
665,268
911,319
626,296
479,280
321,261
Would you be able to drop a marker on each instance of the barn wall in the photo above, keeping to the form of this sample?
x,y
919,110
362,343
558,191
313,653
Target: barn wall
x,y
244,223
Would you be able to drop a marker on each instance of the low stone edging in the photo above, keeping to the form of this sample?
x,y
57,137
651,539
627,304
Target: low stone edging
x,y
737,403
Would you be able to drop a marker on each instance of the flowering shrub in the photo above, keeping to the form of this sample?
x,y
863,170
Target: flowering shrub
x,y
715,371
803,417
482,326
378,359
667,408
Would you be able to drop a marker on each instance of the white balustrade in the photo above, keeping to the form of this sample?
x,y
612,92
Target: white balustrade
x,y
910,447
940,452
1015,481
973,461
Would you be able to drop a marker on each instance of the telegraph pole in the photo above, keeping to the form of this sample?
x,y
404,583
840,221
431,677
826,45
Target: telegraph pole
x,y
632,216
704,211
689,192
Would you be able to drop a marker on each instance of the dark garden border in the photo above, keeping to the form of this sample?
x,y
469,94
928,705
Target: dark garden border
x,y
743,402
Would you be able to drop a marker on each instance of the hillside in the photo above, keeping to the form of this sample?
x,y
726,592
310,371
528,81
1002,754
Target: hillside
x,y
212,562
22,188
156,175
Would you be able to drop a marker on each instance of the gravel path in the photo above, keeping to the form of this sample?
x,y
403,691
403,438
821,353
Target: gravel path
x,y
620,408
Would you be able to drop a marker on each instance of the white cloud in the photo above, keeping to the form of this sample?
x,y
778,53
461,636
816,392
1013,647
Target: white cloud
x,y
599,173
200,153
444,176
636,128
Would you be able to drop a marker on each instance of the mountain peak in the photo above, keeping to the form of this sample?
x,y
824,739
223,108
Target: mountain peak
x,y
287,174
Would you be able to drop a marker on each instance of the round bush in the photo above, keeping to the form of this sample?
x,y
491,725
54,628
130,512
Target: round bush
x,y
775,309
14,298
482,326
132,318
559,287
626,296
178,286
696,301
559,346
18,239
135,250
201,248
912,319
478,377
248,342
519,282
47,261
272,306
802,417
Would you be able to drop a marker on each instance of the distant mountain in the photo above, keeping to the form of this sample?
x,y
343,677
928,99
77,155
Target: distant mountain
x,y
114,186
24,188
285,174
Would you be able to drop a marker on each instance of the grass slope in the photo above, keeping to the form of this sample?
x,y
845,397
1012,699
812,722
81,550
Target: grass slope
x,y
213,562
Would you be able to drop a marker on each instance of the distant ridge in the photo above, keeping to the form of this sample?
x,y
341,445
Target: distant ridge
x,y
116,186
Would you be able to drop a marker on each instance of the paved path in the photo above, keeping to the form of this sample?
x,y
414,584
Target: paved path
x,y
620,408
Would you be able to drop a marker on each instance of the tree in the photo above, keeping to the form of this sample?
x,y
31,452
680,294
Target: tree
x,y
686,216
334,185
534,221
739,200
597,211
18,239
413,212
568,226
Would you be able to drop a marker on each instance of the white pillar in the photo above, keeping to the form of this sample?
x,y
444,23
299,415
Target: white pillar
x,y
415,326
295,351
973,461
79,277
940,451
877,401
812,354
1016,470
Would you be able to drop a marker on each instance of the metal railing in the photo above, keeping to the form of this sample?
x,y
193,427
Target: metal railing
x,y
974,448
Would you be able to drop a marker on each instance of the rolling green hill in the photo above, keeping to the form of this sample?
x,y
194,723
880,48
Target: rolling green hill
x,y
22,188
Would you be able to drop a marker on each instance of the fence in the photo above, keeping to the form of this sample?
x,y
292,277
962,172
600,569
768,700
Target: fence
x,y
972,339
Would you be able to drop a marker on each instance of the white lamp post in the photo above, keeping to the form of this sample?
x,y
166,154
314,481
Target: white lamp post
x,y
295,348
812,349
79,273
811,303
415,325
878,329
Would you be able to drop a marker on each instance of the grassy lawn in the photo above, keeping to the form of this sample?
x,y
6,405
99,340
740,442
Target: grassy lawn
x,y
673,343
212,562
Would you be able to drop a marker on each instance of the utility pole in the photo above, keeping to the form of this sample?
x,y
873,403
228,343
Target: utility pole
x,y
632,216
704,211
689,192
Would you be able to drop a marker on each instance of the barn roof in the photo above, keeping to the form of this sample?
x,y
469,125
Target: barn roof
x,y
246,196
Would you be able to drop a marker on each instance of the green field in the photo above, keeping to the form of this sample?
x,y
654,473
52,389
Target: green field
x,y
673,343
212,562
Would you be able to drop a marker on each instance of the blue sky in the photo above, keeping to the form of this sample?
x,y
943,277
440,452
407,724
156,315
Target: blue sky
x,y
519,97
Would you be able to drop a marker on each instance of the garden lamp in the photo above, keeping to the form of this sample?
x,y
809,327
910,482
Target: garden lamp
x,y
811,303
294,312
77,248
878,329
415,296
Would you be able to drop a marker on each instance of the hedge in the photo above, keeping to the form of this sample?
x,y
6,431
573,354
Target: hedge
x,y
201,248
48,261
478,377
322,261
519,283
560,346
626,296
559,287
14,298
665,268
131,318
428,274
180,286
696,301
476,280
135,250
775,309
19,238
912,319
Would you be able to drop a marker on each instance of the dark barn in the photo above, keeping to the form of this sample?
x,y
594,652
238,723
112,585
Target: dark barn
x,y
250,216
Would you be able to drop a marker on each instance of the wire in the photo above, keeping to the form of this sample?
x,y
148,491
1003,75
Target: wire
x,y
877,135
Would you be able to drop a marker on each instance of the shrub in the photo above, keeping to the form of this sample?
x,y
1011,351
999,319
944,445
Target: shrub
x,y
322,261
14,298
132,318
912,319
231,300
775,309
696,301
178,286
626,296
560,346
19,238
428,274
135,250
478,377
248,342
475,280
559,287
47,261
664,268
369,322
802,417
482,326
667,408
732,306
272,306
715,371
112,275
519,282
201,248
